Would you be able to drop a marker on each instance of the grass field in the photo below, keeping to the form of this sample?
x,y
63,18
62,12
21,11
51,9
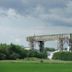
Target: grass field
x,y
35,67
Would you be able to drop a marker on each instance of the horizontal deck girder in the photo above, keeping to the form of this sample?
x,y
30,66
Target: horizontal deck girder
x,y
48,37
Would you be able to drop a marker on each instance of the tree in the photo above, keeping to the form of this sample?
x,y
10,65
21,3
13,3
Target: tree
x,y
50,49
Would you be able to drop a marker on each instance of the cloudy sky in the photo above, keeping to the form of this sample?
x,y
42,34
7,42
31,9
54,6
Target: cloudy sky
x,y
21,18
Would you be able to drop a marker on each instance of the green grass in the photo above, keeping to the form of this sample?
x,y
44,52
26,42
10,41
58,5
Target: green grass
x,y
35,67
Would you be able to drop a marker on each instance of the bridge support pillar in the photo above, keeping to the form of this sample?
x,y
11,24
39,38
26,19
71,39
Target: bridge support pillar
x,y
41,46
31,45
60,44
70,44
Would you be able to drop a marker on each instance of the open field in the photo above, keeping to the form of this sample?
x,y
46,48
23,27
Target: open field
x,y
20,66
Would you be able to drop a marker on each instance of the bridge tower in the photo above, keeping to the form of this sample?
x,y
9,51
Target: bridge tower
x,y
70,42
41,46
60,44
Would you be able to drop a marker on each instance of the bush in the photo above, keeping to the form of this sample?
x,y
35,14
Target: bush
x,y
67,56
14,56
37,54
2,56
41,55
50,49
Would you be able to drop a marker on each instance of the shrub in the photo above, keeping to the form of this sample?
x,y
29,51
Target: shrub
x,y
67,56
14,56
2,56
37,54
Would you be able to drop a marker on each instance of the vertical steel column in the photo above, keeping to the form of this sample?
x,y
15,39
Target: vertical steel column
x,y
66,40
60,44
70,42
32,45
41,46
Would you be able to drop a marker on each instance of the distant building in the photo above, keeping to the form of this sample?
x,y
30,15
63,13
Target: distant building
x,y
27,48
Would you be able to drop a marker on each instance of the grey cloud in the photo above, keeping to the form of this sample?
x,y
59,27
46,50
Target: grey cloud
x,y
40,9
26,6
15,4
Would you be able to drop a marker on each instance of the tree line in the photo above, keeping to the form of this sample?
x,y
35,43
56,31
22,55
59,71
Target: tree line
x,y
13,52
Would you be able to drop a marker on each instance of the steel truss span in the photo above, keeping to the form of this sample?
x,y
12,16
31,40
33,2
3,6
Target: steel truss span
x,y
62,38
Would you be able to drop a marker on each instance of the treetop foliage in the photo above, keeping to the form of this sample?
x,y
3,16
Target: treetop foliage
x,y
13,52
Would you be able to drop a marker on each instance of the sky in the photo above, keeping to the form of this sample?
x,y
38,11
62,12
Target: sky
x,y
22,18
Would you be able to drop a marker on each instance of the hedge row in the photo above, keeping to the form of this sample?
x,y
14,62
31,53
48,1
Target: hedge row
x,y
67,56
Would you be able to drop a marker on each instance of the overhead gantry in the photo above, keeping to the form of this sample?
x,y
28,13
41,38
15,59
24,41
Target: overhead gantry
x,y
62,38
